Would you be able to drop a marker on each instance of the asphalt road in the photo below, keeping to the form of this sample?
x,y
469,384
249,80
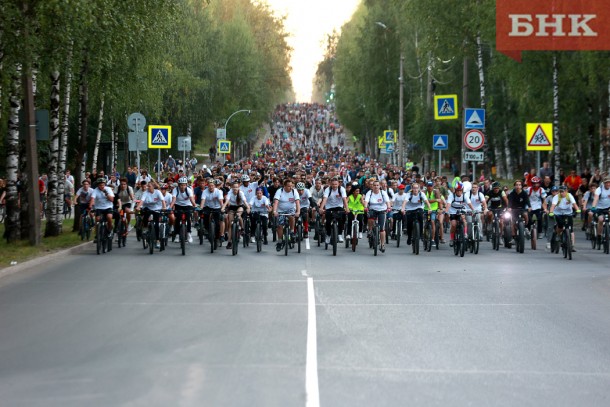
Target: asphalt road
x,y
131,329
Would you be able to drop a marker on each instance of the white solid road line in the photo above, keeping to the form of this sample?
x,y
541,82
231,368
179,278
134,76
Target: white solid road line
x,y
311,368
307,243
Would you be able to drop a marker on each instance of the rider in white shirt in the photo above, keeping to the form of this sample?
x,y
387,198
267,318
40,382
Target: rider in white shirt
x,y
103,198
414,207
286,204
601,204
211,204
377,203
335,200
457,202
562,208
183,201
260,206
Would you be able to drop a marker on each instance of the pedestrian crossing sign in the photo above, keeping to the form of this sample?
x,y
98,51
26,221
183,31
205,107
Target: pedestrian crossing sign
x,y
539,136
224,146
159,136
445,107
389,136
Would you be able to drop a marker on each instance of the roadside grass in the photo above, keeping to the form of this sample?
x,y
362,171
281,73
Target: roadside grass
x,y
22,251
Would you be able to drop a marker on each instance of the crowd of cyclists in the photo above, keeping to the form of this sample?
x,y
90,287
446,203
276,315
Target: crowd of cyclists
x,y
304,180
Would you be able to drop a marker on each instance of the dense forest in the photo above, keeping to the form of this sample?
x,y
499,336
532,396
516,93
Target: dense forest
x,y
449,49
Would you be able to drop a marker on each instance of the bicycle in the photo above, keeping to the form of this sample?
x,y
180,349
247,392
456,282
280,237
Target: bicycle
x,y
388,228
122,228
591,233
182,229
163,229
320,229
138,227
398,227
415,232
211,231
85,225
427,232
459,244
375,235
563,240
235,234
474,233
354,228
520,238
495,231
288,242
334,230
273,227
258,232
246,231
508,229
103,242
299,232
605,236
534,232
67,210
149,234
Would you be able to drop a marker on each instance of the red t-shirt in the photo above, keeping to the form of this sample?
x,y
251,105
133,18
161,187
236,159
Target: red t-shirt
x,y
40,186
573,182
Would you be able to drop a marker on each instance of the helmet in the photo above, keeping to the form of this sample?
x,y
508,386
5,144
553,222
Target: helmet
x,y
554,188
495,185
182,180
563,188
101,180
300,185
430,183
245,178
163,186
536,180
355,185
459,186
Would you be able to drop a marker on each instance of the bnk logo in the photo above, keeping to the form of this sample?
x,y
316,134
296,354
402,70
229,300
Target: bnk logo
x,y
549,25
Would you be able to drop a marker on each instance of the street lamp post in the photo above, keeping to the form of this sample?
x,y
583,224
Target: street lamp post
x,y
227,123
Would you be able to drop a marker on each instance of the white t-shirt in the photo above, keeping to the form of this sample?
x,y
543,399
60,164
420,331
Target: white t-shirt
x,y
287,200
477,200
415,202
68,188
84,197
260,205
334,198
212,200
249,191
457,202
604,197
183,198
167,198
377,201
101,202
563,205
397,201
233,198
536,197
305,198
152,200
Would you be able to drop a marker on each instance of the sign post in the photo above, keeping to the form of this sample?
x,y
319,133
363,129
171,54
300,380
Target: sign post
x,y
440,142
135,122
538,137
473,139
159,137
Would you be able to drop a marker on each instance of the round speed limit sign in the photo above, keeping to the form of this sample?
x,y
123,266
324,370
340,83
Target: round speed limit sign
x,y
474,139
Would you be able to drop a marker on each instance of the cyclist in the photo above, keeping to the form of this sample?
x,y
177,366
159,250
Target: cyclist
x,y
236,201
317,194
183,201
398,210
152,201
103,197
435,198
260,210
286,204
377,203
84,197
519,203
587,204
477,199
335,200
355,203
537,197
601,205
457,202
414,205
211,204
306,201
125,193
562,208
496,202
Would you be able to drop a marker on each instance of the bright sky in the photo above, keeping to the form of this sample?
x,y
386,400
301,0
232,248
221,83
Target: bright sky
x,y
308,22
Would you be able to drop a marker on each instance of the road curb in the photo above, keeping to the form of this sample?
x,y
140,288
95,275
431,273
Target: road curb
x,y
10,270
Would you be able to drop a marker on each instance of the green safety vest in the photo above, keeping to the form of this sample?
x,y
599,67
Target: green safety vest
x,y
354,204
433,205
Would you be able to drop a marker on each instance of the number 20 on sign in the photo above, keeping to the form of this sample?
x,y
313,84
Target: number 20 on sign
x,y
474,139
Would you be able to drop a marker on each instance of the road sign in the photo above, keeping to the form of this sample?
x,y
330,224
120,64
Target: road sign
x,y
474,156
159,136
446,107
224,146
42,124
137,141
474,118
221,134
440,142
389,136
389,148
136,122
184,144
381,142
539,136
474,139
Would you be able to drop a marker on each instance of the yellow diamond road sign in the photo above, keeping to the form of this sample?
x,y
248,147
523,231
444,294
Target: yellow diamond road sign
x,y
539,136
159,136
224,146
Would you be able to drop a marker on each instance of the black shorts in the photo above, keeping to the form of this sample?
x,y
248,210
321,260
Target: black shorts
x,y
100,212
563,220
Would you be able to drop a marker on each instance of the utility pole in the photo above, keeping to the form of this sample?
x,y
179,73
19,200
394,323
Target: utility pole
x,y
464,106
401,154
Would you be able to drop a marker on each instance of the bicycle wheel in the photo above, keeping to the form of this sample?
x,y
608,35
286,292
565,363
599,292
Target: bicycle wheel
x,y
286,239
456,241
162,229
520,237
507,237
259,237
138,228
606,239
415,240
462,239
299,237
335,237
388,230
81,228
534,236
437,235
183,238
545,223
151,236
100,234
235,237
427,236
346,233
274,229
375,239
145,240
566,244
477,236
591,235
398,231
211,235
354,235
120,233
108,243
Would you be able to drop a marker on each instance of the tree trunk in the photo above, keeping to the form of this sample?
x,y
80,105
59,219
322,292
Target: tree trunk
x,y
83,116
63,139
12,231
464,166
483,95
112,147
54,217
509,160
590,159
98,137
25,182
557,149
